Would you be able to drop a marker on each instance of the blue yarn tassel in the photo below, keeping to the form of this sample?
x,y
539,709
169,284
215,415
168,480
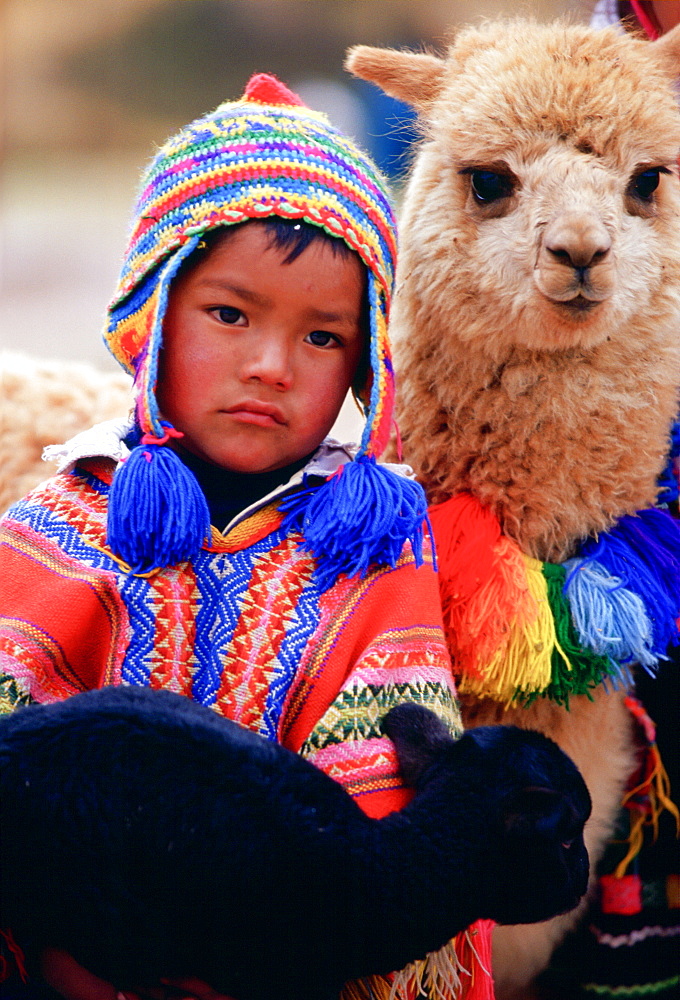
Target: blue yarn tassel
x,y
608,618
643,551
360,517
158,515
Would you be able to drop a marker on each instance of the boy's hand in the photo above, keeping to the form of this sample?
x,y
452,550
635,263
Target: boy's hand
x,y
65,975
196,989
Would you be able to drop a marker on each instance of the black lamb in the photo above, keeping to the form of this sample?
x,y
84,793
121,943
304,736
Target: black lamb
x,y
151,838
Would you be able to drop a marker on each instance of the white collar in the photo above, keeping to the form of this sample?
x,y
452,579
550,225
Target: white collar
x,y
107,440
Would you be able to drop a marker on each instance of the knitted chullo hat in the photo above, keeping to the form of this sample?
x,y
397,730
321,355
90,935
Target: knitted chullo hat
x,y
264,155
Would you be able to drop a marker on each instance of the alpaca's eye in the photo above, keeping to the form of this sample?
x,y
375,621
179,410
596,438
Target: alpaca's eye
x,y
488,186
644,185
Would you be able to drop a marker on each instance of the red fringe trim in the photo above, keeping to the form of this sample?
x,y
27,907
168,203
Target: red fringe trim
x,y
473,948
18,958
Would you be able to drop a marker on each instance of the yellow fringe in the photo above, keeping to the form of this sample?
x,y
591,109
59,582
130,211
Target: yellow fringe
x,y
635,839
437,976
369,988
123,565
523,662
656,787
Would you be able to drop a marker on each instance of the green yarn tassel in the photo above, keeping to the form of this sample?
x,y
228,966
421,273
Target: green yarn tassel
x,y
584,669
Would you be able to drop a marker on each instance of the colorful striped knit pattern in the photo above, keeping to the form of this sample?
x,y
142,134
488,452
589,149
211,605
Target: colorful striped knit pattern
x,y
519,628
265,155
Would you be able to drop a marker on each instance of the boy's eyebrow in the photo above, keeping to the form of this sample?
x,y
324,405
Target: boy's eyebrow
x,y
227,286
319,315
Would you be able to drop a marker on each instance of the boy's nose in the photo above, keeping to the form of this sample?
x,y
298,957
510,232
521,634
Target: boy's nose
x,y
268,362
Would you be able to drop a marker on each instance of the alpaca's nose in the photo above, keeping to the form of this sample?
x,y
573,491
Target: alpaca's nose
x,y
578,240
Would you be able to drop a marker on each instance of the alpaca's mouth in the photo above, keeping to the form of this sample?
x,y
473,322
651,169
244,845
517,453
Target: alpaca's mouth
x,y
578,306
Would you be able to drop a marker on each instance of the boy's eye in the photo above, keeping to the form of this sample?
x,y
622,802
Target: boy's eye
x,y
320,338
230,315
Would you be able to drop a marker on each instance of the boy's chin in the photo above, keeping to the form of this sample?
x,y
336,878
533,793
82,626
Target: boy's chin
x,y
246,463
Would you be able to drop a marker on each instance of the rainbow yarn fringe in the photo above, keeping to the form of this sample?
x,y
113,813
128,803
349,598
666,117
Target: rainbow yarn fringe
x,y
519,628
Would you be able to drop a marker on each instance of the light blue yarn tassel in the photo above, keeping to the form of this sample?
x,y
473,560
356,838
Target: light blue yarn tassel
x,y
361,516
609,619
643,552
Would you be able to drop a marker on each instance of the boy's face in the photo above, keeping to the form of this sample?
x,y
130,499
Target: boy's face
x,y
259,354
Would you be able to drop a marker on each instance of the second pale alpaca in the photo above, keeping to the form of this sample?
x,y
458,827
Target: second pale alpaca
x,y
536,318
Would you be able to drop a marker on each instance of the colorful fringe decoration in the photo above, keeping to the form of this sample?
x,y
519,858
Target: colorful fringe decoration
x,y
644,553
460,970
519,629
611,620
650,796
368,988
495,625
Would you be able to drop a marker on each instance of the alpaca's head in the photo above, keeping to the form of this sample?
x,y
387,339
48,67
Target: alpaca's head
x,y
544,207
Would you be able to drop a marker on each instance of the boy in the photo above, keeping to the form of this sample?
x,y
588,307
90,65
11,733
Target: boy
x,y
220,546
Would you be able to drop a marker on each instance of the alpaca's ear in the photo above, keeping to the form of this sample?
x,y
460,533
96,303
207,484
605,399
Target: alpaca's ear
x,y
668,49
418,736
412,77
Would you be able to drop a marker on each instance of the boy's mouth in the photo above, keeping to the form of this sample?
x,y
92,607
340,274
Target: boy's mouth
x,y
252,411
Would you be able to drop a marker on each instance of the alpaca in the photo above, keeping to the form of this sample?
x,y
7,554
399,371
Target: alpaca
x,y
150,837
536,323
43,402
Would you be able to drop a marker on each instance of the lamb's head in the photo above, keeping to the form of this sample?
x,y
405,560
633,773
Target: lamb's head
x,y
550,153
522,839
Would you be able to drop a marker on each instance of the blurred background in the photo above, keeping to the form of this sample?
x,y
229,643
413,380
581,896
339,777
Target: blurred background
x,y
89,88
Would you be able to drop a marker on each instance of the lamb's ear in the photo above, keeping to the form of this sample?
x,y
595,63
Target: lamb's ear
x,y
668,49
418,736
412,77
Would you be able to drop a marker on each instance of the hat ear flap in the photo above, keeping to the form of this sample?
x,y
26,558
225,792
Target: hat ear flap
x,y
157,513
379,392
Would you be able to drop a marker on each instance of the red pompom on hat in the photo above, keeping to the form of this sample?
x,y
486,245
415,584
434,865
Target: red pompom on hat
x,y
266,89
